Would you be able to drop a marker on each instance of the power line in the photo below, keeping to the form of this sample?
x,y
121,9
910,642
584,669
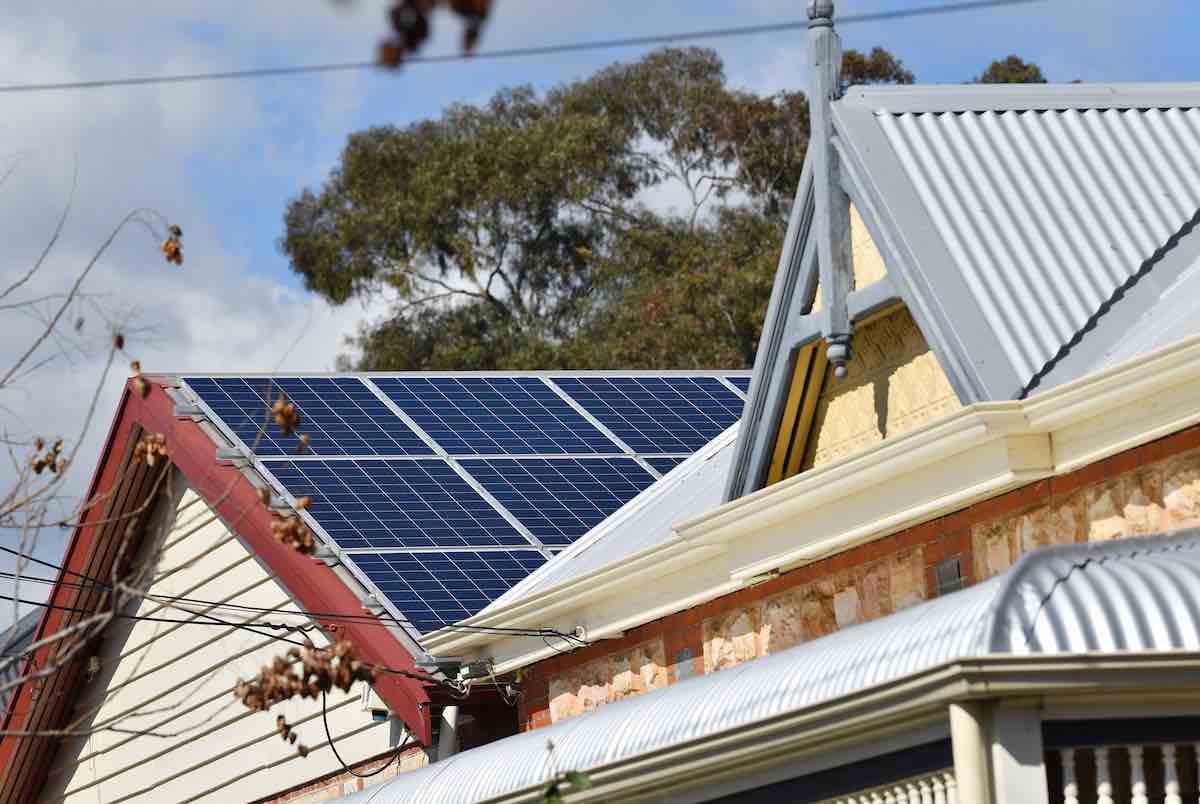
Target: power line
x,y
382,620
242,626
512,53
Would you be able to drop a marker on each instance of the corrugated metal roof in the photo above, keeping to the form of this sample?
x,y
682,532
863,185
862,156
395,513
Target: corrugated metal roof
x,y
12,641
1017,224
690,489
1134,595
1174,315
1047,213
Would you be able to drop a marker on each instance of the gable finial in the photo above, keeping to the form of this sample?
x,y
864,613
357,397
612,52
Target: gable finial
x,y
831,221
820,12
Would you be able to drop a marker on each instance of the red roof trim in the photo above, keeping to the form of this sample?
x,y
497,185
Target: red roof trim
x,y
314,586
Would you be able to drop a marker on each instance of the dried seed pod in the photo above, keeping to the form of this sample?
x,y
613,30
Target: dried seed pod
x,y
172,247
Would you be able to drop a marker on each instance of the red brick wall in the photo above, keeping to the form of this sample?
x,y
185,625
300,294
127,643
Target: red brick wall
x,y
342,783
1151,488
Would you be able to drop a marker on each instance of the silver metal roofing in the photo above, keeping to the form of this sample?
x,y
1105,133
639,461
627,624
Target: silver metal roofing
x,y
1135,595
690,489
12,641
1015,223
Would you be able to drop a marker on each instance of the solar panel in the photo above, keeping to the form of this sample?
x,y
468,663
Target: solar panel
x,y
432,589
658,414
495,416
664,465
341,416
740,383
560,499
528,471
396,503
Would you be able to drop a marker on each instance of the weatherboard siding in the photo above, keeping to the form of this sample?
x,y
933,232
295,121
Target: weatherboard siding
x,y
176,681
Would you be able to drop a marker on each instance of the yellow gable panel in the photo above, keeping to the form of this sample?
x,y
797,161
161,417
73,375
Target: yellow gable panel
x,y
867,261
894,383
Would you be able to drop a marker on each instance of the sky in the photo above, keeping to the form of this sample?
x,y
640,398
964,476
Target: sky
x,y
222,159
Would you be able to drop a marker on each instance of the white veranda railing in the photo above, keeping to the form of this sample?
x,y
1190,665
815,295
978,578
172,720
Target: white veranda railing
x,y
1146,773
929,788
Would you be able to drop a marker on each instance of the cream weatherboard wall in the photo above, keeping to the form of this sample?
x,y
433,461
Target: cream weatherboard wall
x,y
167,727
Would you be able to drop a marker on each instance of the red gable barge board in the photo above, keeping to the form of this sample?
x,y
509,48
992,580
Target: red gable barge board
x,y
314,586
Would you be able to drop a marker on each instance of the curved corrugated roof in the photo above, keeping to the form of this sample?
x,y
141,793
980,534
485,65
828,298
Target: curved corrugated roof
x,y
1140,595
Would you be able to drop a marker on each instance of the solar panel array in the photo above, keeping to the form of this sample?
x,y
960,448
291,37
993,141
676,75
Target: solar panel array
x,y
442,491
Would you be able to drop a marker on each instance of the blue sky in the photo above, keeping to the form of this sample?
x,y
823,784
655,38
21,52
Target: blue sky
x,y
222,158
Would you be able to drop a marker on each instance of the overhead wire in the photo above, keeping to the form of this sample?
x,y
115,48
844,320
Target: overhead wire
x,y
241,626
381,620
512,53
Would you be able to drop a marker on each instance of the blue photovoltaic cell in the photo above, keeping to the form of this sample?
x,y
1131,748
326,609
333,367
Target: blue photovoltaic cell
x,y
665,465
560,499
436,589
658,414
741,383
413,503
340,415
495,416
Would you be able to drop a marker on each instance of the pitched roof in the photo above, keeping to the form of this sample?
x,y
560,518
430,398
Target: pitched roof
x,y
1016,224
1130,596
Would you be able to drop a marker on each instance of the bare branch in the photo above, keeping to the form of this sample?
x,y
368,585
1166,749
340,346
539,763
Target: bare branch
x,y
53,239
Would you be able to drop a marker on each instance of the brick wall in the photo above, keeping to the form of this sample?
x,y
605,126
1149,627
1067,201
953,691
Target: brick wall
x,y
1149,489
343,783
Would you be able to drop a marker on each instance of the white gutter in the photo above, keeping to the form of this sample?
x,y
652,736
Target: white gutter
x,y
969,456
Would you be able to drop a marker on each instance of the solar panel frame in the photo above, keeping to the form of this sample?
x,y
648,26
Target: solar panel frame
x,y
495,416
560,499
657,414
742,383
364,427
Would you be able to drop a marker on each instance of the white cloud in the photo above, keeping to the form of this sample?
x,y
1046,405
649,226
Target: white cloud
x,y
144,147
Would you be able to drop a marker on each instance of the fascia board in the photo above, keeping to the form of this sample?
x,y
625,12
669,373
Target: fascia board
x,y
949,464
1016,97
912,249
795,282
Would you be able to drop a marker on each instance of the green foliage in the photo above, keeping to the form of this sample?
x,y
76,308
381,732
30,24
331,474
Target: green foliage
x,y
553,792
1011,70
516,235
880,67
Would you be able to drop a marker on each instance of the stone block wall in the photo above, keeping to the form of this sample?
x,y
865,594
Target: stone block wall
x,y
1149,489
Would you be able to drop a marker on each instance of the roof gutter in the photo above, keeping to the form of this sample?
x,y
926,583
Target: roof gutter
x,y
969,456
901,706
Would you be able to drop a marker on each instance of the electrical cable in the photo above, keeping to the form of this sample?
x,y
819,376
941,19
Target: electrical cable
x,y
400,749
519,52
362,619
241,626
